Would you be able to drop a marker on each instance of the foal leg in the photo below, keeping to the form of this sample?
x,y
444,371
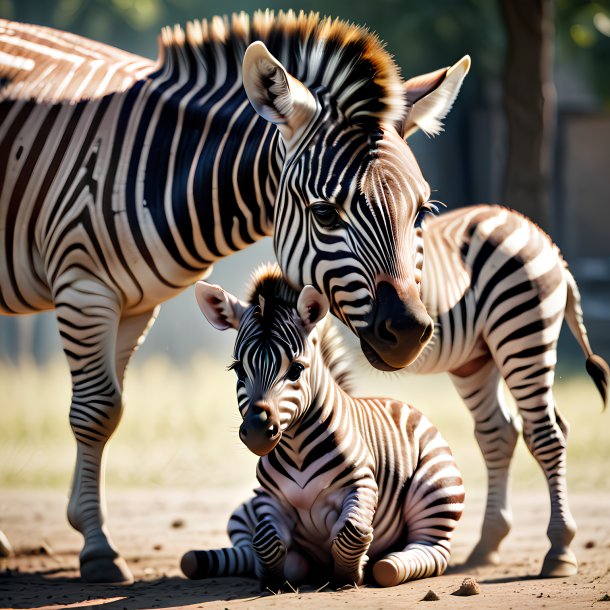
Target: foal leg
x,y
236,560
545,434
496,431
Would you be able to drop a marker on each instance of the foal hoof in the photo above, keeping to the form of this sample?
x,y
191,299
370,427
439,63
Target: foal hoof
x,y
386,573
106,570
557,566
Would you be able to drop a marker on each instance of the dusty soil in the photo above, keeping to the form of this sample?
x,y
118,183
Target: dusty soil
x,y
153,527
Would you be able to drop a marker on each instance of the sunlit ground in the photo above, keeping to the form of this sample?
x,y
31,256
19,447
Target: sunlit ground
x,y
180,427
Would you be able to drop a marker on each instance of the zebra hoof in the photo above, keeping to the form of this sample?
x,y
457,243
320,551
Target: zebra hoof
x,y
189,564
106,570
386,574
557,566
481,557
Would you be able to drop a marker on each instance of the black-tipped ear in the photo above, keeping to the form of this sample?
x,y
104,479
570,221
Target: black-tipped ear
x,y
312,307
221,308
275,94
431,97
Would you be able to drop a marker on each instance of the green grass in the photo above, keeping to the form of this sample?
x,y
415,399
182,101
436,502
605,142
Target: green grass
x,y
180,427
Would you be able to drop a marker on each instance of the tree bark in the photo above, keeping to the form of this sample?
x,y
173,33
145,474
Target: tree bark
x,y
530,107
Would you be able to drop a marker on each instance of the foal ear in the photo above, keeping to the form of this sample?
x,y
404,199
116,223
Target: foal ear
x,y
312,307
431,97
276,95
221,308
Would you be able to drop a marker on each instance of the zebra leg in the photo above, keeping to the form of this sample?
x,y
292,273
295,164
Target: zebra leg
x,y
496,431
353,536
545,433
270,546
417,560
237,560
88,314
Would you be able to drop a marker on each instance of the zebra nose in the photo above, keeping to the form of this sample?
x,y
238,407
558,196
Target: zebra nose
x,y
398,331
260,431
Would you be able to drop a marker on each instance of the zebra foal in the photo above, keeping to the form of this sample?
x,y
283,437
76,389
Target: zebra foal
x,y
342,479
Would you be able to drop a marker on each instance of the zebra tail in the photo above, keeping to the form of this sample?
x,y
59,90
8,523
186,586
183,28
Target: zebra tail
x,y
596,366
230,561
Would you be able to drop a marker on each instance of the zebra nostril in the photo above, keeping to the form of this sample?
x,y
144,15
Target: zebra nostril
x,y
272,432
384,333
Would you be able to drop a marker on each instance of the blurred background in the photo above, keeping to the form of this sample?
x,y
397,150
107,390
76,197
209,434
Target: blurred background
x,y
530,129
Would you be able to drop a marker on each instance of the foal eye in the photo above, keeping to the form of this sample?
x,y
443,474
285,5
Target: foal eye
x,y
239,370
326,215
294,372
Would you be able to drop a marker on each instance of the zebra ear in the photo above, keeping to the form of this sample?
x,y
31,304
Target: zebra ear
x,y
221,308
276,95
430,97
312,307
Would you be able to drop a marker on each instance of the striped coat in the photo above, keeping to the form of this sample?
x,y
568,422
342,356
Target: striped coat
x,y
344,480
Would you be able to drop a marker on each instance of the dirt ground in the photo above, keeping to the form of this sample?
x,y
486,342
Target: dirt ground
x,y
153,527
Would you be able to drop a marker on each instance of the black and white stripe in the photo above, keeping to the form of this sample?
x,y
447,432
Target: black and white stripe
x,y
498,291
122,180
343,480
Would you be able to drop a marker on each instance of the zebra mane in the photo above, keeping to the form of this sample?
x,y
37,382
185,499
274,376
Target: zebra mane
x,y
347,60
269,290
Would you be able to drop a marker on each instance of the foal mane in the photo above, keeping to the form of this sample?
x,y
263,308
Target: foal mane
x,y
269,290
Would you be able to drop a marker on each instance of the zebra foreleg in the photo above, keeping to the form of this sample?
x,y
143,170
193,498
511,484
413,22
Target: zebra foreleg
x,y
271,550
353,537
496,431
88,314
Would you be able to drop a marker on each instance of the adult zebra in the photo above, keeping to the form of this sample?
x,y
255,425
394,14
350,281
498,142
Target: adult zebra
x,y
343,479
122,181
498,289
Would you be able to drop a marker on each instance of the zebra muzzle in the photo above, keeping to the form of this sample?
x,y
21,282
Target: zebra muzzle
x,y
260,431
397,332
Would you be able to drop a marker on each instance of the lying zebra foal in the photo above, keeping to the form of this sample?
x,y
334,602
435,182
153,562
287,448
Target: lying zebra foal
x,y
343,479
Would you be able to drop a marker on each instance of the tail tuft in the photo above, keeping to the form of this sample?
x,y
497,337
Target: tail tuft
x,y
598,370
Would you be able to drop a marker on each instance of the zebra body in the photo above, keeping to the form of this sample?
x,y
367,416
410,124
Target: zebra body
x,y
122,181
498,289
343,479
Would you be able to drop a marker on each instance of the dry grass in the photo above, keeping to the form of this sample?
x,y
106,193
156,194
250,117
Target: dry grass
x,y
180,427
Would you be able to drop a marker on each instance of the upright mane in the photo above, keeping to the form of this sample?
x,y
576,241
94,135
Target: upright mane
x,y
268,287
346,60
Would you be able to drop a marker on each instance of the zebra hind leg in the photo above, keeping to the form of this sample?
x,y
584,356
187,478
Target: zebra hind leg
x,y
545,435
496,431
417,560
237,560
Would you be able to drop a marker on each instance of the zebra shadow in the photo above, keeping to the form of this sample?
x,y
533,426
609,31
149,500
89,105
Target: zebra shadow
x,y
48,588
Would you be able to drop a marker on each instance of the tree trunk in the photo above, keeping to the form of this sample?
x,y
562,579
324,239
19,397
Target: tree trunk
x,y
530,107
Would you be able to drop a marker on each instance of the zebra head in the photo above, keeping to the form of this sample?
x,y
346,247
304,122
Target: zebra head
x,y
351,195
276,352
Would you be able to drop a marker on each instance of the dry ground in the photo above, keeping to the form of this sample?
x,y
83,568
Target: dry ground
x,y
155,526
176,460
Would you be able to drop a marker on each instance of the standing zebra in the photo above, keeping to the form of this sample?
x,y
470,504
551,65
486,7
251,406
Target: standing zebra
x,y
343,479
123,180
498,289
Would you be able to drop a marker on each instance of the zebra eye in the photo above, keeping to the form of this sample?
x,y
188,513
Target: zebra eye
x,y
326,215
421,215
294,372
239,370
